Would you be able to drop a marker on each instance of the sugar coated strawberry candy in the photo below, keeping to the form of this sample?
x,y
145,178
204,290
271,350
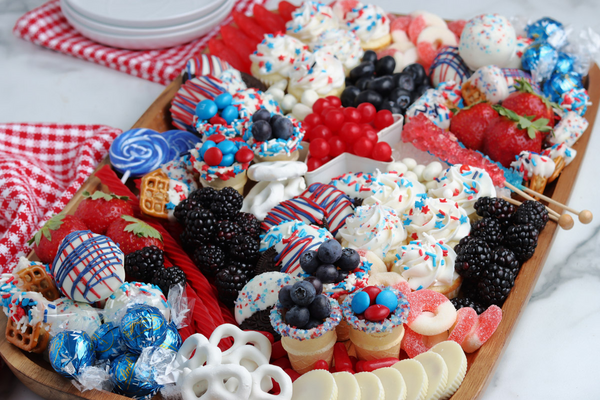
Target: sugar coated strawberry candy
x,y
457,27
424,303
401,23
427,52
484,329
413,343
466,318
218,48
249,26
271,22
285,10
415,27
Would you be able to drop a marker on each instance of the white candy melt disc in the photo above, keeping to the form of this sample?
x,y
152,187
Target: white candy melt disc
x,y
415,378
370,386
348,388
393,383
317,384
437,374
456,361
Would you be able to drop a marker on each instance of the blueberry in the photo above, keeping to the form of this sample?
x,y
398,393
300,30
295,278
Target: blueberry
x,y
330,251
285,298
382,85
420,90
404,80
349,95
349,82
363,69
362,83
309,262
297,316
399,92
341,276
370,56
320,308
327,273
261,131
385,66
274,118
312,323
387,104
349,260
303,293
418,73
282,128
369,96
261,115
316,283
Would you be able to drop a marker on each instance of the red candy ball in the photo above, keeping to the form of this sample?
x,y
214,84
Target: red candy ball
x,y
334,119
319,148
313,163
319,105
371,134
351,114
382,152
350,132
322,364
218,138
334,101
376,312
372,291
336,146
244,155
213,156
217,120
367,112
313,120
363,147
320,132
383,119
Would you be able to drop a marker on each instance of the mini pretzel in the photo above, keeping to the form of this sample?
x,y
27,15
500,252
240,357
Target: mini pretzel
x,y
250,358
209,383
154,194
240,338
203,352
278,375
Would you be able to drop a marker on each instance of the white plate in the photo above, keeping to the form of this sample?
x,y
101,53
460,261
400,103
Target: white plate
x,y
144,13
72,15
152,42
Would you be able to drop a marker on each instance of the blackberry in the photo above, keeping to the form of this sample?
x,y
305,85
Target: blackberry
x,y
141,265
199,228
506,258
205,196
167,277
522,240
490,230
244,248
249,223
467,302
248,267
462,243
224,232
473,257
495,284
226,203
182,209
496,208
209,259
469,287
230,281
531,212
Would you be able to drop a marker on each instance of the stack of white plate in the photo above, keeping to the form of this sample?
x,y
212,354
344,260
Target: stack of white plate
x,y
145,24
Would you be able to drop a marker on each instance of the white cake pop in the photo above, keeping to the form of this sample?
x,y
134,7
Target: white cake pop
x,y
488,39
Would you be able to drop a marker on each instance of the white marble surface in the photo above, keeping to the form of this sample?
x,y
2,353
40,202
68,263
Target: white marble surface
x,y
554,349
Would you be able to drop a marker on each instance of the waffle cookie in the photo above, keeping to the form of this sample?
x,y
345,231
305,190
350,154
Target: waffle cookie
x,y
35,278
154,194
34,339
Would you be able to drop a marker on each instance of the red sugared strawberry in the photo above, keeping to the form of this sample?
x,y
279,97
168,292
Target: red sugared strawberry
x,y
470,123
132,234
510,134
526,102
285,10
100,209
52,233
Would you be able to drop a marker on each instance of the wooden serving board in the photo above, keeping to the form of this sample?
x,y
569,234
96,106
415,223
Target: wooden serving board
x,y
38,375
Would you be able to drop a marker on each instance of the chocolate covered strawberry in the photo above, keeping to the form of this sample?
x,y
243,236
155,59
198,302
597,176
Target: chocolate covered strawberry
x,y
132,234
52,233
100,209
526,102
470,123
510,134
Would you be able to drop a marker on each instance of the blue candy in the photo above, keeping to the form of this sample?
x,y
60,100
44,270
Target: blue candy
x,y
561,83
70,352
543,28
227,147
360,302
206,109
129,380
207,145
173,340
387,298
227,160
540,58
143,326
229,114
564,65
108,342
223,100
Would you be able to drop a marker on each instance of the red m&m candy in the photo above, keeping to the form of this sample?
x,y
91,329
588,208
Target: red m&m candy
x,y
213,156
376,312
244,155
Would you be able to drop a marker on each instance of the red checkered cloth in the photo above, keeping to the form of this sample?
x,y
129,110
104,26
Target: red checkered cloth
x,y
41,168
48,27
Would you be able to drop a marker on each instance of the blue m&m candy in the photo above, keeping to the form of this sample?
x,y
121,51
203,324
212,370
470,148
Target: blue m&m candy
x,y
387,298
360,302
223,100
206,109
229,114
227,147
227,160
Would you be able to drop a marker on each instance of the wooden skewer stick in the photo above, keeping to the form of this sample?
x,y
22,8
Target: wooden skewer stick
x,y
564,221
528,197
585,216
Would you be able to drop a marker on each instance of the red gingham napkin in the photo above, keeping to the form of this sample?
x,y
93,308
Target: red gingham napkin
x,y
41,168
47,26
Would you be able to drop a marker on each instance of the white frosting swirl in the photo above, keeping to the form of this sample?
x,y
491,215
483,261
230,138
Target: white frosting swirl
x,y
344,45
375,228
310,20
561,150
369,22
426,263
277,53
464,185
398,192
530,164
319,71
442,219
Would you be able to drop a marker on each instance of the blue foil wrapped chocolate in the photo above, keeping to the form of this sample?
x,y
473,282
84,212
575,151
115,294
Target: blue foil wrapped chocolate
x,y
108,342
143,326
540,59
127,379
564,64
173,339
70,352
561,83
544,28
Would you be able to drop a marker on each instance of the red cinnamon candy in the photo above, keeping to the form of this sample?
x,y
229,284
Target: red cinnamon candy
x,y
277,351
372,365
322,364
341,358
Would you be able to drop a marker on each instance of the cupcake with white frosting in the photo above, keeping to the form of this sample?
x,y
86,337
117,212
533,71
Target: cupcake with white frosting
x,y
319,71
371,24
274,57
343,44
310,20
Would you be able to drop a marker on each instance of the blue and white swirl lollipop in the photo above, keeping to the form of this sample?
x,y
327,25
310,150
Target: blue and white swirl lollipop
x,y
181,141
137,152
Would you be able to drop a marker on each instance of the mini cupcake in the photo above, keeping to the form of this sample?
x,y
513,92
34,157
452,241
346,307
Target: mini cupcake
x,y
372,26
319,71
274,57
274,137
249,101
343,44
310,20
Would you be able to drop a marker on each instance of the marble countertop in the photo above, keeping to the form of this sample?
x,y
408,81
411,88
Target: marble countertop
x,y
554,349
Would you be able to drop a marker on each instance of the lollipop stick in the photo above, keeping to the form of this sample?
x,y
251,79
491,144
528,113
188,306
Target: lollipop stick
x,y
518,203
528,197
125,176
